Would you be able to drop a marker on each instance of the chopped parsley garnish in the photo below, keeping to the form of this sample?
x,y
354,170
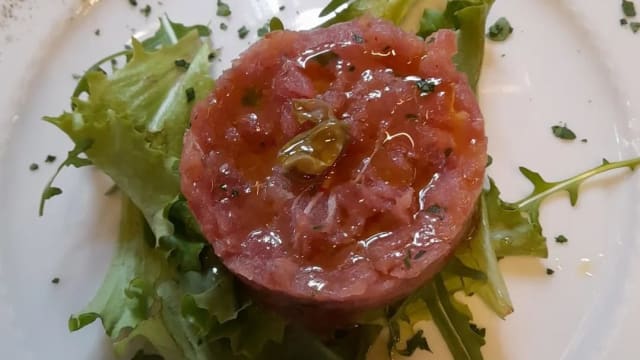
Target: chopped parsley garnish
x,y
146,11
212,55
635,26
623,22
223,9
489,160
191,94
417,341
223,26
182,63
447,152
428,85
234,193
407,259
500,30
550,271
34,167
50,159
264,30
561,239
563,132
434,209
628,8
251,97
281,8
358,39
243,32
133,2
419,254
223,187
55,280
97,32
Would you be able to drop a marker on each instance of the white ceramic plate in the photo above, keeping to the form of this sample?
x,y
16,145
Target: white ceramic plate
x,y
567,61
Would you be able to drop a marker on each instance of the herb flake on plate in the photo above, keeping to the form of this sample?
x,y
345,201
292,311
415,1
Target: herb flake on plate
x,y
628,8
146,11
563,132
243,32
223,9
500,30
561,239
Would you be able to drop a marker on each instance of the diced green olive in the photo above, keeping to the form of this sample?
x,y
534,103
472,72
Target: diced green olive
x,y
315,150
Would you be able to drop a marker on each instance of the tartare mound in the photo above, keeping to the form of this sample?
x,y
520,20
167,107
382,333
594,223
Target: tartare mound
x,y
387,214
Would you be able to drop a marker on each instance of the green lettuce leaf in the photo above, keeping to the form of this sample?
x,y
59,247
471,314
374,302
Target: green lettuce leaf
x,y
178,313
467,17
139,113
392,10
125,297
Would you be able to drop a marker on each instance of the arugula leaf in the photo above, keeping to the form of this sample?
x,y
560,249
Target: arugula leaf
x,y
417,341
530,205
148,131
510,229
511,232
479,254
454,323
73,159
